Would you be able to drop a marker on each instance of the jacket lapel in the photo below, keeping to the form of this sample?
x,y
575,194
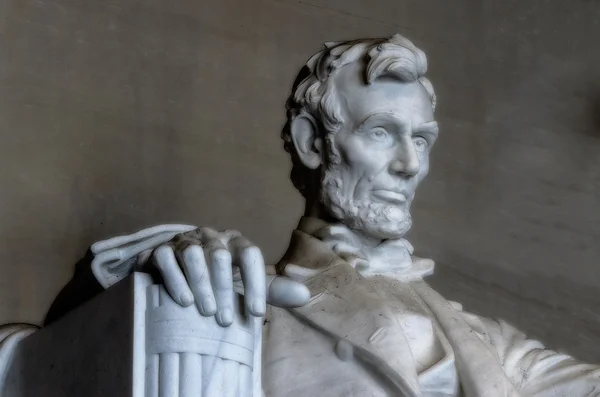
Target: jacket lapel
x,y
480,372
370,328
347,308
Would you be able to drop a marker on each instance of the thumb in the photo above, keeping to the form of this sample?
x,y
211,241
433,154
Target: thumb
x,y
286,293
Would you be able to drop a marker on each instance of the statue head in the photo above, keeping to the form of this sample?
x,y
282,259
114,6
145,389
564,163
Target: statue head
x,y
360,128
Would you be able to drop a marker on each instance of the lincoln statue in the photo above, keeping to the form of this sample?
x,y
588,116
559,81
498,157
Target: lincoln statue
x,y
347,311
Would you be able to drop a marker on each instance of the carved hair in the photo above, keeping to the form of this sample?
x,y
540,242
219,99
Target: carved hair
x,y
314,95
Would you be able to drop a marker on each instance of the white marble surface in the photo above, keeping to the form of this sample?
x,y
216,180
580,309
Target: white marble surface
x,y
133,340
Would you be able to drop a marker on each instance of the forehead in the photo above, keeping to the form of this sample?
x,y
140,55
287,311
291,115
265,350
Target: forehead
x,y
409,102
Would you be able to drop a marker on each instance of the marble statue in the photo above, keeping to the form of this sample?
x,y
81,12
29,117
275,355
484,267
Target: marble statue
x,y
346,311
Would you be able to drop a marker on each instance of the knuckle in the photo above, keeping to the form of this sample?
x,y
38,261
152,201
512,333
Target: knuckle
x,y
195,235
182,241
231,233
202,284
223,294
213,245
205,230
180,236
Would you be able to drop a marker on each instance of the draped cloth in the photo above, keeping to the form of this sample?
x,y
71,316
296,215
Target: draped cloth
x,y
10,336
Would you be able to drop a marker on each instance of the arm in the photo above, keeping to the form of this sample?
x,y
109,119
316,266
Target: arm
x,y
195,265
537,371
107,262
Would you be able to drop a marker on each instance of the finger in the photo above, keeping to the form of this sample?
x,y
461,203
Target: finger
x,y
252,267
219,263
286,293
175,282
198,277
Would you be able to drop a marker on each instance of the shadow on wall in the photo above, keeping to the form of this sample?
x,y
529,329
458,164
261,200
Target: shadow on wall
x,y
594,112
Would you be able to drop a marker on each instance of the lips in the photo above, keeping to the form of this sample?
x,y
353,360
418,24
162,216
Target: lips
x,y
389,196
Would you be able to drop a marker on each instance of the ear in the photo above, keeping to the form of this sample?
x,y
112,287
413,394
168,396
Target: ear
x,y
308,144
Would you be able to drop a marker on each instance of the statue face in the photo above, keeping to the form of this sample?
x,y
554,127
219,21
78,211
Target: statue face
x,y
380,155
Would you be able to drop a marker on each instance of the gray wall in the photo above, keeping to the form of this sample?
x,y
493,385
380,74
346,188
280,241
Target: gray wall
x,y
119,114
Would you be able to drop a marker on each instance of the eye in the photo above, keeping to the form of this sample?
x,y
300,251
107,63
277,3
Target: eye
x,y
379,134
421,143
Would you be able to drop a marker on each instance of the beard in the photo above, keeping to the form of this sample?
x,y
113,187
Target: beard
x,y
375,219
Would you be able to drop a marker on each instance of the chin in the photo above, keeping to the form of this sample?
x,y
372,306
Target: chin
x,y
384,227
386,230
378,220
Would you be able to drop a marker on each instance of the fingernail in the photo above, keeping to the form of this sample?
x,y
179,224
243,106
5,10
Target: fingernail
x,y
258,307
186,299
226,316
209,306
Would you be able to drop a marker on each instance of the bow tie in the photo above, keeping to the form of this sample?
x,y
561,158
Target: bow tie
x,y
392,258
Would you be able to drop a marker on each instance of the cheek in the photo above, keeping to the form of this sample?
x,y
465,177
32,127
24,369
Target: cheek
x,y
369,168
360,165
360,159
423,167
368,159
373,170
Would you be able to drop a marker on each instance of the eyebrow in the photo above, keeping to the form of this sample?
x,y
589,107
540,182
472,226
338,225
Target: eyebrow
x,y
429,127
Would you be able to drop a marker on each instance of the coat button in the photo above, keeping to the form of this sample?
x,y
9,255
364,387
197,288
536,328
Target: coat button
x,y
344,350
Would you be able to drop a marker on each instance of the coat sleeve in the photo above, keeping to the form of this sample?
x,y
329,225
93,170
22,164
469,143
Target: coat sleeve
x,y
10,336
108,262
534,370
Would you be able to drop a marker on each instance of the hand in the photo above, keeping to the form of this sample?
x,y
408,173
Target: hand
x,y
206,267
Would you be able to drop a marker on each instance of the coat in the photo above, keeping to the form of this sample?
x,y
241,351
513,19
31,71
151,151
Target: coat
x,y
351,340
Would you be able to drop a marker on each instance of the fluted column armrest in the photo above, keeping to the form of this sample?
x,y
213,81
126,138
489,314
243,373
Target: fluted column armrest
x,y
132,340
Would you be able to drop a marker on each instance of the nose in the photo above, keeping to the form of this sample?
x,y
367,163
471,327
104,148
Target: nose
x,y
406,161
